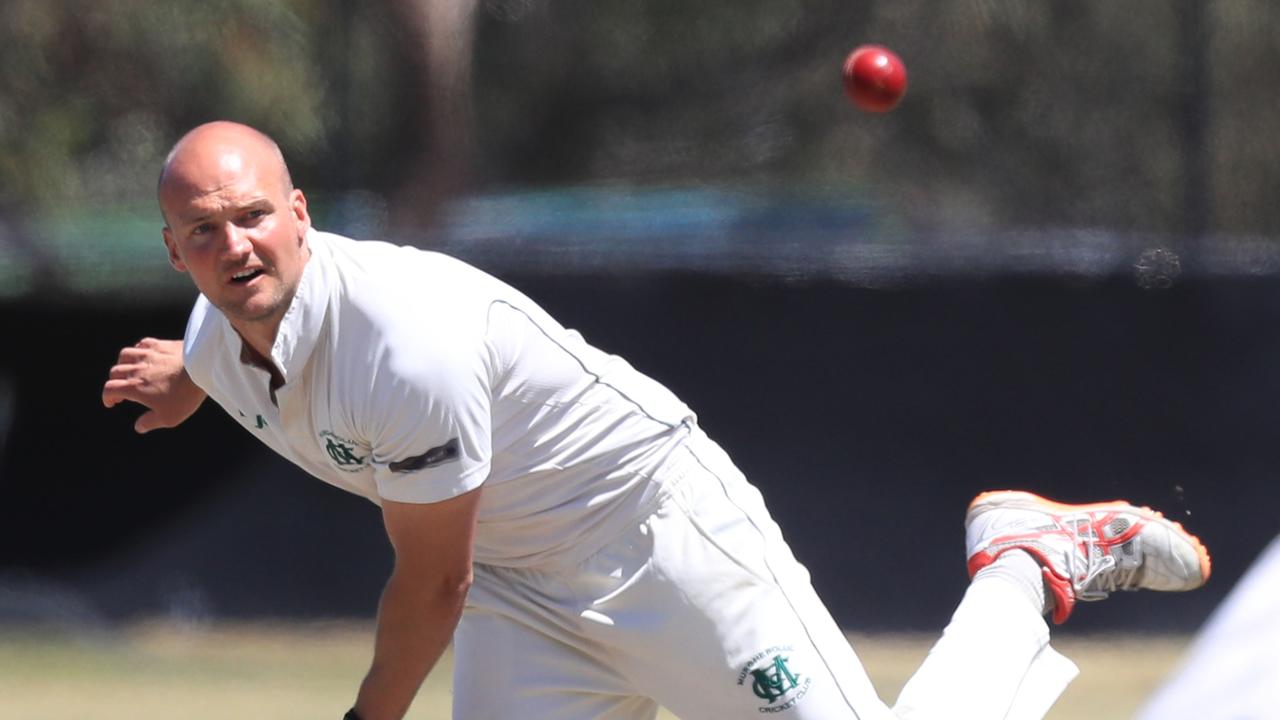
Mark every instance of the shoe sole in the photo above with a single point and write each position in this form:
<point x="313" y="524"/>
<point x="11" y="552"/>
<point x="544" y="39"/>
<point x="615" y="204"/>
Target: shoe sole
<point x="1021" y="499"/>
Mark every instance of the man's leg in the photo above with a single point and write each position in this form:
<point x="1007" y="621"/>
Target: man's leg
<point x="719" y="592"/>
<point x="704" y="608"/>
<point x="516" y="655"/>
<point x="994" y="652"/>
<point x="993" y="660"/>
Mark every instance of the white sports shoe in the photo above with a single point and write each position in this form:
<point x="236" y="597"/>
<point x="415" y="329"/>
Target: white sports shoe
<point x="1085" y="551"/>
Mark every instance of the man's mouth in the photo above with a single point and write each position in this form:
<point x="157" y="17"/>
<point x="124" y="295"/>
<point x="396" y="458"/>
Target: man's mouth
<point x="245" y="276"/>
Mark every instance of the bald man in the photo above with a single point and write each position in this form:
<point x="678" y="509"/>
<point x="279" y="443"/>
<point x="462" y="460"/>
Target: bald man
<point x="561" y="517"/>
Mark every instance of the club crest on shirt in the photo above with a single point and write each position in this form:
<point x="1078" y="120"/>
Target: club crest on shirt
<point x="346" y="454"/>
<point x="772" y="678"/>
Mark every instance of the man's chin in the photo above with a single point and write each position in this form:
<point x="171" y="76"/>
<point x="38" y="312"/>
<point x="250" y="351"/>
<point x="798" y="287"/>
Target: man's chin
<point x="249" y="312"/>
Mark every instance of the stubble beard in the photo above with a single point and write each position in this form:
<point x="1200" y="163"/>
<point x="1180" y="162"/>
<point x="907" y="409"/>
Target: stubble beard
<point x="251" y="312"/>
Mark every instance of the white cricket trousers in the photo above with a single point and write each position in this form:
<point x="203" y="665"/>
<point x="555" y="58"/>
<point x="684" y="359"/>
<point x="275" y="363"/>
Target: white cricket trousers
<point x="700" y="607"/>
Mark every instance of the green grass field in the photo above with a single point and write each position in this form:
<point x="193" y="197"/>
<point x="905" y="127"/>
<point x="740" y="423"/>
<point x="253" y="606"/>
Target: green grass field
<point x="309" y="671"/>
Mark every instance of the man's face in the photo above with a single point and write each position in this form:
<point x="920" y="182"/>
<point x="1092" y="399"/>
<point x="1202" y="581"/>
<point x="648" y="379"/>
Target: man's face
<point x="239" y="231"/>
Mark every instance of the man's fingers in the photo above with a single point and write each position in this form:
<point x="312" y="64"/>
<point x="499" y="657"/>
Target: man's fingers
<point x="123" y="371"/>
<point x="164" y="346"/>
<point x="133" y="355"/>
<point x="117" y="390"/>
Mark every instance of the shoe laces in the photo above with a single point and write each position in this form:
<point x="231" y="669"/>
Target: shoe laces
<point x="1094" y="573"/>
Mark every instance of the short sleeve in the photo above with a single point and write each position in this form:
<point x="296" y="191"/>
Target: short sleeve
<point x="433" y="436"/>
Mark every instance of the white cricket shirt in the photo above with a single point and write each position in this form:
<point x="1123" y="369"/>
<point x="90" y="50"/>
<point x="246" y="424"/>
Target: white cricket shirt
<point x="412" y="376"/>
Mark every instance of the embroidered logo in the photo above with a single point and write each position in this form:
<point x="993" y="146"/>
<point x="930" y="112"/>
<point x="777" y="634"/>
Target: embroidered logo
<point x="435" y="456"/>
<point x="343" y="452"/>
<point x="773" y="679"/>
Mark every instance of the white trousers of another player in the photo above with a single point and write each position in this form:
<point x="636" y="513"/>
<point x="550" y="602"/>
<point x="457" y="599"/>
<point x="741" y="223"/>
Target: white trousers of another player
<point x="1232" y="669"/>
<point x="700" y="607"/>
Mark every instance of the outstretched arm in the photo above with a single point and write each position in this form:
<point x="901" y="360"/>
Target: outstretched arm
<point x="151" y="374"/>
<point x="422" y="602"/>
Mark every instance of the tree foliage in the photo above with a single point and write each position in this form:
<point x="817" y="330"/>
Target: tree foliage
<point x="1139" y="116"/>
<point x="92" y="94"/>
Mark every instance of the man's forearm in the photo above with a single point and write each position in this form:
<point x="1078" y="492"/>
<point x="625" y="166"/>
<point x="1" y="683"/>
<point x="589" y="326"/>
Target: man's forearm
<point x="416" y="620"/>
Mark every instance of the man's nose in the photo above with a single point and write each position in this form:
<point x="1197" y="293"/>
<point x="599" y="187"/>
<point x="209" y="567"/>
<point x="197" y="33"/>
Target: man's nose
<point x="235" y="241"/>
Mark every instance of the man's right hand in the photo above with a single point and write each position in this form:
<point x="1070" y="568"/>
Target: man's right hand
<point x="151" y="374"/>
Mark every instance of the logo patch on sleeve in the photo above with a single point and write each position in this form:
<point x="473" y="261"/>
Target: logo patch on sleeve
<point x="447" y="452"/>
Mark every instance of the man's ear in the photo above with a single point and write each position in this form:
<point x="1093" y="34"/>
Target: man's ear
<point x="301" y="216"/>
<point x="172" y="247"/>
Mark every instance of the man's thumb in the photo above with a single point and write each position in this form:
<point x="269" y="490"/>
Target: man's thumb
<point x="147" y="422"/>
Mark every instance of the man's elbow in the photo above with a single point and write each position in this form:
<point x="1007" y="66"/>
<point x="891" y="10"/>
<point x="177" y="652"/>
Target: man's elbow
<point x="446" y="587"/>
<point x="459" y="585"/>
<point x="451" y="594"/>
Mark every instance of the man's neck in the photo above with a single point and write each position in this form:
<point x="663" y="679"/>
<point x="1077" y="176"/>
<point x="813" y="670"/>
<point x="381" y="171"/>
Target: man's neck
<point x="257" y="341"/>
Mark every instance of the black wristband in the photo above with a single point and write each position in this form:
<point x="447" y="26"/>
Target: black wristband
<point x="351" y="715"/>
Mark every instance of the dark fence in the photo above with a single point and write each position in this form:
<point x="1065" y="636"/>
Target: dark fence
<point x="868" y="417"/>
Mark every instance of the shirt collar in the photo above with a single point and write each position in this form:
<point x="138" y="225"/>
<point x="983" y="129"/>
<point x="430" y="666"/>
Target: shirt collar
<point x="303" y="322"/>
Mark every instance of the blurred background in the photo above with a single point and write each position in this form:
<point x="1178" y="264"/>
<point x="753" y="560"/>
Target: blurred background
<point x="1053" y="266"/>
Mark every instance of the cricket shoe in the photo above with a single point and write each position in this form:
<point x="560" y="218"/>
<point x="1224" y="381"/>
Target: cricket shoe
<point x="1085" y="551"/>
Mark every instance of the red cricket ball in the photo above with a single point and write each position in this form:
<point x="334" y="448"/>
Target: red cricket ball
<point x="874" y="78"/>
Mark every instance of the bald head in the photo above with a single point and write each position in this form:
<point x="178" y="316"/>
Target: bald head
<point x="236" y="225"/>
<point x="213" y="153"/>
